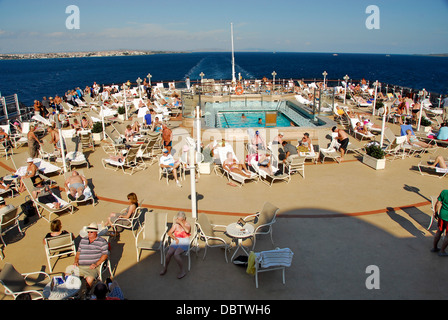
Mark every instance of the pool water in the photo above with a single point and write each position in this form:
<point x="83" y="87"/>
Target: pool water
<point x="234" y="119"/>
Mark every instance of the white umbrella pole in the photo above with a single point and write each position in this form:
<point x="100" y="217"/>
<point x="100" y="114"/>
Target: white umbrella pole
<point x="374" y="101"/>
<point x="198" y="129"/>
<point x="192" y="166"/>
<point x="420" y="115"/>
<point x="382" y="128"/>
<point x="61" y="139"/>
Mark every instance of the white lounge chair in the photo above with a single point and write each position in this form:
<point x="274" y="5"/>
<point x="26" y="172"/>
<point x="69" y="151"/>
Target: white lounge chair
<point x="211" y="235"/>
<point x="265" y="176"/>
<point x="16" y="283"/>
<point x="130" y="161"/>
<point x="87" y="192"/>
<point x="241" y="179"/>
<point x="49" y="207"/>
<point x="56" y="247"/>
<point x="8" y="221"/>
<point x="278" y="259"/>
<point x="153" y="234"/>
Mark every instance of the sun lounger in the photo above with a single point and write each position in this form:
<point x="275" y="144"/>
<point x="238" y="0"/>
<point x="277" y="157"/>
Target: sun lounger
<point x="130" y="161"/>
<point x="241" y="179"/>
<point x="265" y="176"/>
<point x="49" y="207"/>
<point x="426" y="169"/>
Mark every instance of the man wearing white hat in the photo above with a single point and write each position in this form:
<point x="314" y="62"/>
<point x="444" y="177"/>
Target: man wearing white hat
<point x="92" y="252"/>
<point x="168" y="163"/>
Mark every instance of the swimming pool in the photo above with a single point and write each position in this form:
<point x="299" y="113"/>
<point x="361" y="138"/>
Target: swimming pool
<point x="228" y="114"/>
<point x="235" y="120"/>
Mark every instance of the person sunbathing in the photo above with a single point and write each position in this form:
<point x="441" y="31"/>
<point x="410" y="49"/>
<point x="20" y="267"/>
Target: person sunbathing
<point x="231" y="165"/>
<point x="439" y="163"/>
<point x="43" y="194"/>
<point x="76" y="185"/>
<point x="264" y="163"/>
<point x="361" y="128"/>
<point x="412" y="140"/>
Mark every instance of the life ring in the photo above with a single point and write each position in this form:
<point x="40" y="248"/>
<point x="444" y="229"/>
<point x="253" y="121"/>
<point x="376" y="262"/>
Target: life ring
<point x="239" y="89"/>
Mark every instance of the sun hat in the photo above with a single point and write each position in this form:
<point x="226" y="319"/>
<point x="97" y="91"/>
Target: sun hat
<point x="165" y="150"/>
<point x="38" y="180"/>
<point x="29" y="160"/>
<point x="93" y="227"/>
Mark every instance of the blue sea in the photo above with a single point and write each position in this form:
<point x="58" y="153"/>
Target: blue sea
<point x="33" y="79"/>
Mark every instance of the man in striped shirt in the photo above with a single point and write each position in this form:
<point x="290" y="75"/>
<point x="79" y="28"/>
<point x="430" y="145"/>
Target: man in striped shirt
<point x="92" y="251"/>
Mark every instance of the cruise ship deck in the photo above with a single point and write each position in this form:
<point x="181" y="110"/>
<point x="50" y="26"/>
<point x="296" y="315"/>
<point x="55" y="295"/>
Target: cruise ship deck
<point x="338" y="221"/>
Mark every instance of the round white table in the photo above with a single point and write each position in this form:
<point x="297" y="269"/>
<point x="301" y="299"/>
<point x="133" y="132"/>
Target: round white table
<point x="238" y="234"/>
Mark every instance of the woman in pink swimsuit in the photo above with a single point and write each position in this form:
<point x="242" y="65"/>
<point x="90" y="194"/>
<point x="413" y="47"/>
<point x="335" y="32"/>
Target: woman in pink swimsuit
<point x="180" y="241"/>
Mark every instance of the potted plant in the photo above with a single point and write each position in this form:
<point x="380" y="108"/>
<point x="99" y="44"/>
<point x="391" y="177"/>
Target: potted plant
<point x="97" y="129"/>
<point x="425" y="123"/>
<point x="121" y="113"/>
<point x="375" y="157"/>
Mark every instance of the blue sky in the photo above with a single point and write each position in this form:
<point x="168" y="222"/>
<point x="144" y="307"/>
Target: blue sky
<point x="406" y="26"/>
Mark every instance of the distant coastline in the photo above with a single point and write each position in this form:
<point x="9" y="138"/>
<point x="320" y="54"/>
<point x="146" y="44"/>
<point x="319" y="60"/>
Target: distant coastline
<point x="433" y="55"/>
<point x="85" y="54"/>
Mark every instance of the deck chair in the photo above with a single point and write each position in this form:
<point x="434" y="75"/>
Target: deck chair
<point x="210" y="235"/>
<point x="130" y="161"/>
<point x="87" y="192"/>
<point x="8" y="221"/>
<point x="263" y="221"/>
<point x="427" y="170"/>
<point x="131" y="223"/>
<point x="297" y="164"/>
<point x="47" y="151"/>
<point x="21" y="138"/>
<point x="353" y="122"/>
<point x="153" y="234"/>
<point x="16" y="283"/>
<point x="47" y="207"/>
<point x="396" y="148"/>
<point x="413" y="149"/>
<point x="265" y="177"/>
<point x="148" y="149"/>
<point x="168" y="171"/>
<point x="330" y="152"/>
<point x="75" y="156"/>
<point x="56" y="247"/>
<point x="241" y="179"/>
<point x="114" y="139"/>
<point x="278" y="259"/>
<point x="6" y="147"/>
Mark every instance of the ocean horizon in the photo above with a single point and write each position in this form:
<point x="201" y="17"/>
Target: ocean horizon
<point x="34" y="78"/>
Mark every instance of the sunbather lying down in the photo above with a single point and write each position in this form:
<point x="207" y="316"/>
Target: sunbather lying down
<point x="44" y="195"/>
<point x="232" y="165"/>
<point x="411" y="139"/>
<point x="439" y="163"/>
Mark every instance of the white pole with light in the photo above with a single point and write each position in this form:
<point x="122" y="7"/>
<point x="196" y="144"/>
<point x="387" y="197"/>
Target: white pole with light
<point x="346" y="78"/>
<point x="192" y="151"/>
<point x="421" y="108"/>
<point x="325" y="74"/>
<point x="233" y="56"/>
<point x="198" y="128"/>
<point x="376" y="84"/>
<point x="61" y="139"/>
